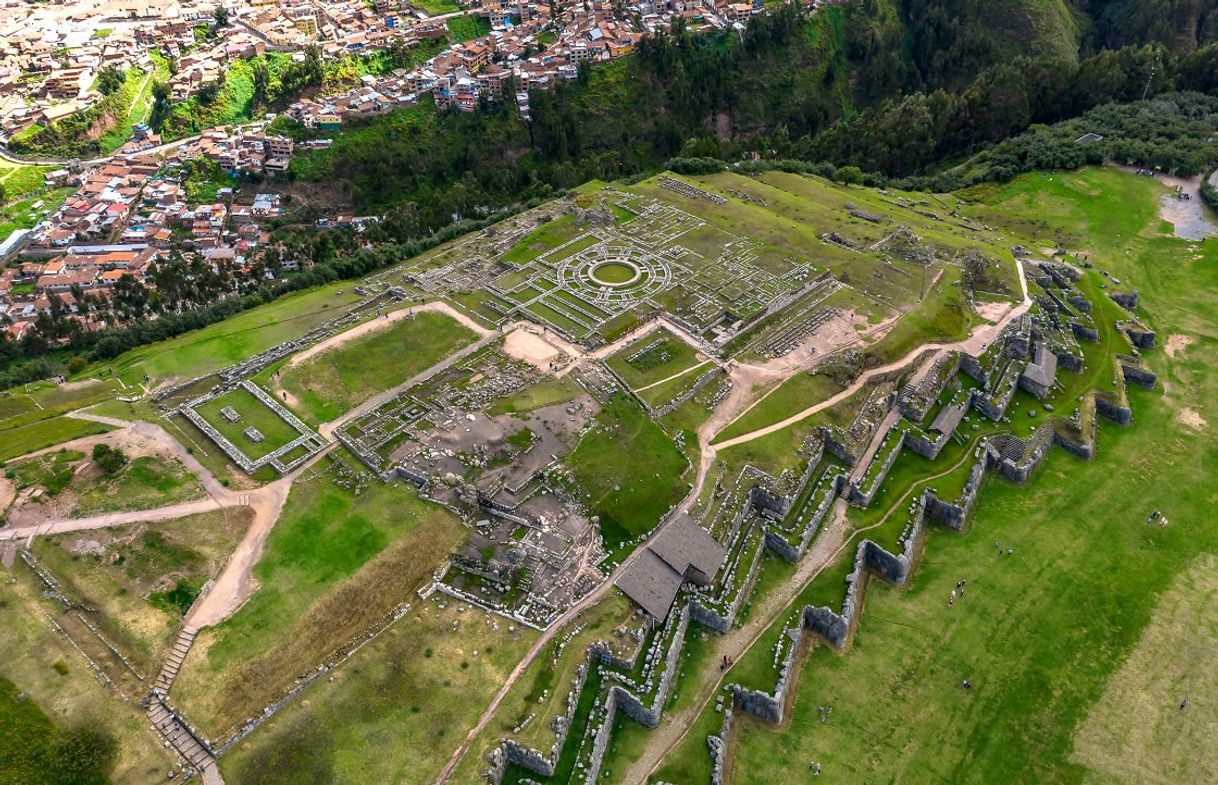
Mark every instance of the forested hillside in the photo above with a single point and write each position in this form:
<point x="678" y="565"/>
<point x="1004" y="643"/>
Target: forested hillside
<point x="898" y="87"/>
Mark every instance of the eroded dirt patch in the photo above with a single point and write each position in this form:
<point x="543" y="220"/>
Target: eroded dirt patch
<point x="1177" y="343"/>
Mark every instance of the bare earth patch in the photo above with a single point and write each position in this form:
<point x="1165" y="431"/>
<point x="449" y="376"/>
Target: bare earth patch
<point x="1192" y="419"/>
<point x="993" y="311"/>
<point x="524" y="344"/>
<point x="1136" y="733"/>
<point x="1177" y="343"/>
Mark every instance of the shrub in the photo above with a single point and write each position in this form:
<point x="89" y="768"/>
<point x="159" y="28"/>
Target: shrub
<point x="108" y="459"/>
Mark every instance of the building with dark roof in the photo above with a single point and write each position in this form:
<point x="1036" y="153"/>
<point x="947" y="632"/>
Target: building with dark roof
<point x="683" y="551"/>
<point x="1040" y="374"/>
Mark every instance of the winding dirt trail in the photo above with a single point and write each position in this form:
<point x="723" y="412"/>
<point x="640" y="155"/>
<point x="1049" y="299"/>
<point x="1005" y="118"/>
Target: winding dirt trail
<point x="975" y="344"/>
<point x="751" y="382"/>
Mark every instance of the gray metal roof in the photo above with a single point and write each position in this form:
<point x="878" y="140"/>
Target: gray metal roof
<point x="1043" y="370"/>
<point x="653" y="579"/>
<point x="651" y="583"/>
<point x="949" y="417"/>
<point x="683" y="543"/>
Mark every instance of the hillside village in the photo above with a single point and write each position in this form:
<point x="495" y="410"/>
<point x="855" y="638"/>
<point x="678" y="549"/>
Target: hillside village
<point x="51" y="56"/>
<point x="121" y="213"/>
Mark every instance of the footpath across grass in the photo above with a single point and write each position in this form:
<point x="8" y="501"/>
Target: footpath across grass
<point x="334" y="382"/>
<point x="335" y="563"/>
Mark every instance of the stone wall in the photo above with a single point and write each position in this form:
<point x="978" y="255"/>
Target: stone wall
<point x="1143" y="377"/>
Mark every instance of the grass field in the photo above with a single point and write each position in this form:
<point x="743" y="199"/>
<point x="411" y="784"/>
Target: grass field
<point x="629" y="470"/>
<point x="334" y="563"/>
<point x="129" y="573"/>
<point x="668" y="356"/>
<point x="254" y="414"/>
<point x="15" y="442"/>
<point x="36" y="751"/>
<point x="546" y="392"/>
<point x="466" y="28"/>
<point x="144" y="483"/>
<point x="1080" y="645"/>
<point x="57" y="680"/>
<point x="395" y="711"/>
<point x="792" y="396"/>
<point x="244" y="335"/>
<point x="333" y="382"/>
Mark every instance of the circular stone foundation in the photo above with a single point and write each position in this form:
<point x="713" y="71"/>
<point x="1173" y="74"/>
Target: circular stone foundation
<point x="616" y="272"/>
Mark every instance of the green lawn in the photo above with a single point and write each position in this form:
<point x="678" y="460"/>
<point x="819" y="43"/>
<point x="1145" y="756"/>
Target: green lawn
<point x="437" y="7"/>
<point x="15" y="442"/>
<point x="549" y="235"/>
<point x="236" y="339"/>
<point x="630" y="472"/>
<point x="467" y="28"/>
<point x="668" y="356"/>
<point x="254" y="413"/>
<point x="334" y="563"/>
<point x="335" y="381"/>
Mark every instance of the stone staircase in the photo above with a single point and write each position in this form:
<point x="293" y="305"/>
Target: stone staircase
<point x="179" y="736"/>
<point x="173" y="663"/>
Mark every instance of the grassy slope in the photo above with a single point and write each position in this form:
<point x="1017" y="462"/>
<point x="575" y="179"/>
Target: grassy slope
<point x="394" y="712"/>
<point x="1041" y="632"/>
<point x="333" y="564"/>
<point x="235" y="339"/>
<point x="29" y="650"/>
<point x="630" y="470"/>
<point x="337" y="380"/>
<point x="139" y="560"/>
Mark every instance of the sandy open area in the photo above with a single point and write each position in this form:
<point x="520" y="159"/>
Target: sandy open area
<point x="524" y="344"/>
<point x="992" y="312"/>
<point x="1177" y="343"/>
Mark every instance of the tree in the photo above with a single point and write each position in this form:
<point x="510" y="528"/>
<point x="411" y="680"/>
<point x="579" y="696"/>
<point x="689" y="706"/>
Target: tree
<point x="261" y="76"/>
<point x="160" y="104"/>
<point x="108" y="459"/>
<point x="849" y="175"/>
<point x="220" y="16"/>
<point x="110" y="80"/>
<point x="77" y="364"/>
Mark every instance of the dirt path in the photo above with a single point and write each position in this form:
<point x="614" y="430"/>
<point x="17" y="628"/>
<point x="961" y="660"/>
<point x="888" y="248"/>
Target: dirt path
<point x="974" y="344"/>
<point x="364" y="329"/>
<point x="676" y="375"/>
<point x="236" y="583"/>
<point x="61" y="525"/>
